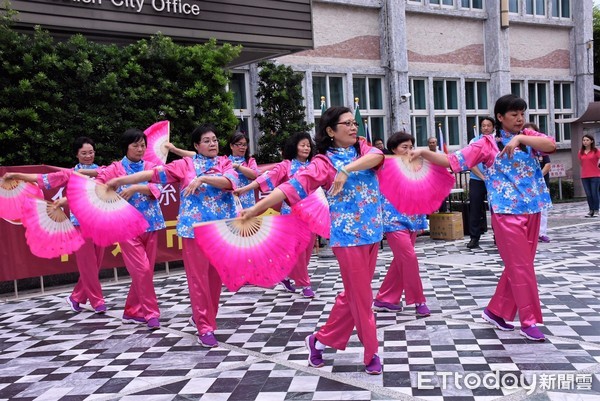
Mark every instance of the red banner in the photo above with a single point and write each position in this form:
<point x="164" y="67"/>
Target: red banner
<point x="18" y="262"/>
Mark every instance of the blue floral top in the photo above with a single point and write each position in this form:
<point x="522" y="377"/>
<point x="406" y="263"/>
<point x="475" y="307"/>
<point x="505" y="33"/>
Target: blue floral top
<point x="246" y="199"/>
<point x="282" y="172"/>
<point x="207" y="203"/>
<point x="356" y="210"/>
<point x="514" y="186"/>
<point x="145" y="204"/>
<point x="393" y="220"/>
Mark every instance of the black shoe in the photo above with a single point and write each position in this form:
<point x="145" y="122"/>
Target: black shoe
<point x="590" y="214"/>
<point x="474" y="243"/>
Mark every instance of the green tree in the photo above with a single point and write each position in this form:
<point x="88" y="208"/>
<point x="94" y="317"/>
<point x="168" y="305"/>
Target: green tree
<point x="282" y="109"/>
<point x="596" y="35"/>
<point x="52" y="92"/>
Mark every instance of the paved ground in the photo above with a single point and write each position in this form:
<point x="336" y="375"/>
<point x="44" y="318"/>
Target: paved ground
<point x="50" y="353"/>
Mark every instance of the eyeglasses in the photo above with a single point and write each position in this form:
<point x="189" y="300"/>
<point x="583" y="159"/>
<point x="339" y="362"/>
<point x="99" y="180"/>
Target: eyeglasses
<point x="209" y="141"/>
<point x="240" y="145"/>
<point x="348" y="123"/>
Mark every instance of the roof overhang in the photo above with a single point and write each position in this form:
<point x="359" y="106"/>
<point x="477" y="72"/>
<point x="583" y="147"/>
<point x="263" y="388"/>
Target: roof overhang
<point x="264" y="28"/>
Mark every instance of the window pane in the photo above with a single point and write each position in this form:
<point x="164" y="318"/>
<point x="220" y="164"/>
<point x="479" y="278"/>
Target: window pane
<point x="238" y="87"/>
<point x="464" y="3"/>
<point x="336" y="91"/>
<point x="470" y="95"/>
<point x="532" y="97"/>
<point x="482" y="102"/>
<point x="471" y="127"/>
<point x="376" y="128"/>
<point x="542" y="96"/>
<point x="243" y="125"/>
<point x="478" y="4"/>
<point x="567" y="130"/>
<point x="529" y="7"/>
<point x="375" y="95"/>
<point x="319" y="89"/>
<point x="540" y="7"/>
<point x="555" y="8"/>
<point x="543" y="124"/>
<point x="513" y="6"/>
<point x="566" y="96"/>
<point x="448" y="2"/>
<point x="419" y="95"/>
<point x="420" y="129"/>
<point x="439" y="101"/>
<point x="434" y="1"/>
<point x="566" y="9"/>
<point x="515" y="88"/>
<point x="453" y="132"/>
<point x="360" y="91"/>
<point x="557" y="96"/>
<point x="452" y="93"/>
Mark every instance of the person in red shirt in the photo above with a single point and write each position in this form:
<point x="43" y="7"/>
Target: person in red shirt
<point x="589" y="156"/>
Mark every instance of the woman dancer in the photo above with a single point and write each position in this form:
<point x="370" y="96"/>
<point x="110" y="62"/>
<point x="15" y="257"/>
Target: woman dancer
<point x="89" y="256"/>
<point x="517" y="194"/>
<point x="401" y="233"/>
<point x="239" y="154"/>
<point x="589" y="157"/>
<point x="298" y="152"/>
<point x="205" y="181"/>
<point x="345" y="167"/>
<point x="139" y="253"/>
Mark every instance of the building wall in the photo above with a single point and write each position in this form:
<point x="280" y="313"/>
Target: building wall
<point x="404" y="41"/>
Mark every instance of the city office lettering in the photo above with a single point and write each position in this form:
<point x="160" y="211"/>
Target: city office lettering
<point x="169" y="6"/>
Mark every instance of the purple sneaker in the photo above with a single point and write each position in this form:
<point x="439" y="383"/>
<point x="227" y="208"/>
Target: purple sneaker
<point x="380" y="306"/>
<point x="73" y="304"/>
<point x="287" y="285"/>
<point x="208" y="340"/>
<point x="153" y="323"/>
<point x="532" y="333"/>
<point x="100" y="309"/>
<point x="315" y="356"/>
<point x="496" y="321"/>
<point x="423" y="310"/>
<point x="307" y="292"/>
<point x="133" y="319"/>
<point x="374" y="367"/>
<point x="544" y="238"/>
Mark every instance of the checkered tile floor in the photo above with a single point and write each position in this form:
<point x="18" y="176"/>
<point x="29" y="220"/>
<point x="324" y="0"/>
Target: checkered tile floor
<point x="50" y="353"/>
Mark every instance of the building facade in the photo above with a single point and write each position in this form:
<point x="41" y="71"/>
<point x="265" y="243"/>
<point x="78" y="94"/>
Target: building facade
<point x="431" y="66"/>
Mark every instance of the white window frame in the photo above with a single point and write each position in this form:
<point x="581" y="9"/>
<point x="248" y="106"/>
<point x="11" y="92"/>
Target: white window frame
<point x="246" y="114"/>
<point x="420" y="113"/>
<point x="535" y="111"/>
<point x="317" y="105"/>
<point x="559" y="7"/>
<point x="470" y="7"/>
<point x="366" y="112"/>
<point x="534" y="12"/>
<point x="446" y="113"/>
<point x="562" y="113"/>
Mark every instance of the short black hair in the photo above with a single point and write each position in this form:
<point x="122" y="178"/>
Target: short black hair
<point x="132" y="135"/>
<point x="397" y="138"/>
<point x="79" y="142"/>
<point x="201" y="130"/>
<point x="290" y="150"/>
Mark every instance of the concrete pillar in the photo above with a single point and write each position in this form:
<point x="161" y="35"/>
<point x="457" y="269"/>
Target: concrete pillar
<point x="497" y="53"/>
<point x="395" y="60"/>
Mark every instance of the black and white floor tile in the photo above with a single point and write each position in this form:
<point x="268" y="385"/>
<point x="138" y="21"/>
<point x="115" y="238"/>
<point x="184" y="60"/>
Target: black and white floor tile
<point x="50" y="353"/>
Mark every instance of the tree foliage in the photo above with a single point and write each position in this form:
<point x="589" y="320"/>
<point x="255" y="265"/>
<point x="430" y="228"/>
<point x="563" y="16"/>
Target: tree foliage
<point x="282" y="109"/>
<point x="52" y="92"/>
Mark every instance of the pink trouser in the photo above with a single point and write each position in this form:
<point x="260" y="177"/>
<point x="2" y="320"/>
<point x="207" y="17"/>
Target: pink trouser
<point x="204" y="284"/>
<point x="300" y="271"/>
<point x="353" y="305"/>
<point x="89" y="260"/>
<point x="517" y="239"/>
<point x="403" y="273"/>
<point x="139" y="255"/>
